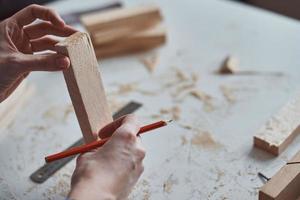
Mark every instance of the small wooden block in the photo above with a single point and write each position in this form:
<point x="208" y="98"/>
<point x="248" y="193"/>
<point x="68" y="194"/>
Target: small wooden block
<point x="229" y="66"/>
<point x="111" y="25"/>
<point x="285" y="185"/>
<point x="281" y="129"/>
<point x="84" y="84"/>
<point x="140" y="41"/>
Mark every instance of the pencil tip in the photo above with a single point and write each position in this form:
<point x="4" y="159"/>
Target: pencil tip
<point x="169" y="121"/>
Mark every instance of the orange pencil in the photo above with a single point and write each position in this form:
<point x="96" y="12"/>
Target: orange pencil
<point x="99" y="143"/>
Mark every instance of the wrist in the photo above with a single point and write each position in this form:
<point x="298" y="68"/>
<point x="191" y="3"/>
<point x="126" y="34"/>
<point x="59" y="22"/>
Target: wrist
<point x="89" y="191"/>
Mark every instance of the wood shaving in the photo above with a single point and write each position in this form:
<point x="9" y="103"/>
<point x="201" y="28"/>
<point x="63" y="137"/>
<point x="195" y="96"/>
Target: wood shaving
<point x="169" y="183"/>
<point x="203" y="139"/>
<point x="150" y="63"/>
<point x="228" y="94"/>
<point x="126" y="88"/>
<point x="186" y="126"/>
<point x="229" y="66"/>
<point x="205" y="98"/>
<point x="181" y="75"/>
<point x="175" y="112"/>
<point x="183" y="88"/>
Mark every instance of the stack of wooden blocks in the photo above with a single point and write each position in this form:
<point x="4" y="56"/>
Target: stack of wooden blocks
<point x="125" y="30"/>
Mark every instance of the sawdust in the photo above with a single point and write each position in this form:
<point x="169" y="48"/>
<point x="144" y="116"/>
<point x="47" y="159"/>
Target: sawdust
<point x="186" y="126"/>
<point x="184" y="140"/>
<point x="205" y="98"/>
<point x="146" y="192"/>
<point x="228" y="94"/>
<point x="38" y="128"/>
<point x="203" y="139"/>
<point x="181" y="76"/>
<point x="220" y="174"/>
<point x="126" y="88"/>
<point x="62" y="188"/>
<point x="68" y="110"/>
<point x="169" y="183"/>
<point x="174" y="111"/>
<point x="150" y="62"/>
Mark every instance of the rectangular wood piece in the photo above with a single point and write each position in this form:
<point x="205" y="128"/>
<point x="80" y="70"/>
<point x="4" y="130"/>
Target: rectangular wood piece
<point x="285" y="184"/>
<point x="117" y="23"/>
<point x="141" y="41"/>
<point x="85" y="85"/>
<point x="279" y="131"/>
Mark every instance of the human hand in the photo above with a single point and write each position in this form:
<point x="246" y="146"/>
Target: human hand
<point x="111" y="171"/>
<point x="20" y="38"/>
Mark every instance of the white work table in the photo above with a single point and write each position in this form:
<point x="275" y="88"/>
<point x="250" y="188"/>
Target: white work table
<point x="178" y="165"/>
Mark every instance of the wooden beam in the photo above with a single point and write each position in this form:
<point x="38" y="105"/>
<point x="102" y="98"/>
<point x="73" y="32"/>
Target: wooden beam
<point x="285" y="185"/>
<point x="279" y="131"/>
<point x="111" y="25"/>
<point x="141" y="41"/>
<point x="84" y="84"/>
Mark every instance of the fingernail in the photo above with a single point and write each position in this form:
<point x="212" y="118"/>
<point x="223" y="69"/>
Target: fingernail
<point x="62" y="62"/>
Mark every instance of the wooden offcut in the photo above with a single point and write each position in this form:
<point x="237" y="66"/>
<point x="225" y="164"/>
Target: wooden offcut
<point x="285" y="184"/>
<point x="229" y="66"/>
<point x="279" y="131"/>
<point x="117" y="23"/>
<point x="84" y="85"/>
<point x="141" y="41"/>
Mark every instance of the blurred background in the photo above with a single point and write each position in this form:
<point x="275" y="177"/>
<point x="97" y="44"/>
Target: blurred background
<point x="288" y="8"/>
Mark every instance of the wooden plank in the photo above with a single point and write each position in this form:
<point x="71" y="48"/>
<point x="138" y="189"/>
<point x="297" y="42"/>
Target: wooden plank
<point x="85" y="85"/>
<point x="141" y="41"/>
<point x="108" y="26"/>
<point x="285" y="185"/>
<point x="279" y="131"/>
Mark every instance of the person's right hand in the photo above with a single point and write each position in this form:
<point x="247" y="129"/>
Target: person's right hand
<point x="111" y="171"/>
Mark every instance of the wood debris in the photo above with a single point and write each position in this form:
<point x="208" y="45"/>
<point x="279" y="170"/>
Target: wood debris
<point x="229" y="66"/>
<point x="181" y="75"/>
<point x="175" y="112"/>
<point x="150" y="62"/>
<point x="126" y="88"/>
<point x="169" y="183"/>
<point x="203" y="139"/>
<point x="205" y="98"/>
<point x="228" y="94"/>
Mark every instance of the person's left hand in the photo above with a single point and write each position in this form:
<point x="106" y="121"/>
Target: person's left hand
<point x="20" y="38"/>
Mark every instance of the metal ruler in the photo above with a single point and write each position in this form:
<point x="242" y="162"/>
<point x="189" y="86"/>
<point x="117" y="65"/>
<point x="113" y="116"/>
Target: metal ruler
<point x="46" y="171"/>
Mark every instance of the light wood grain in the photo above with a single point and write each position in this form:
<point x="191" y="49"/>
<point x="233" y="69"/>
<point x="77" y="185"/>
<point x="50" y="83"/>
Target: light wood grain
<point x="279" y="131"/>
<point x="85" y="85"/>
<point x="141" y="41"/>
<point x="111" y="25"/>
<point x="284" y="185"/>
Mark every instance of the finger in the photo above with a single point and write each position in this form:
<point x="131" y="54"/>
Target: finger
<point x="42" y="62"/>
<point x="46" y="28"/>
<point x="109" y="129"/>
<point x="127" y="132"/>
<point x="33" y="12"/>
<point x="140" y="151"/>
<point x="42" y="44"/>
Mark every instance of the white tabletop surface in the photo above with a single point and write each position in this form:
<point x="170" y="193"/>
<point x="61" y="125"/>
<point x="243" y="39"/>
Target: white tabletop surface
<point x="178" y="165"/>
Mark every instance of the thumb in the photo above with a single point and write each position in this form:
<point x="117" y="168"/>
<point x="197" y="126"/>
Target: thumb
<point x="43" y="62"/>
